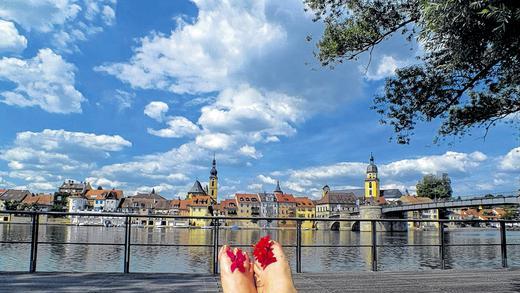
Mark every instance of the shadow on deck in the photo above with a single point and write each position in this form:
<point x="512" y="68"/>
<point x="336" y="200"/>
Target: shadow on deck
<point x="387" y="282"/>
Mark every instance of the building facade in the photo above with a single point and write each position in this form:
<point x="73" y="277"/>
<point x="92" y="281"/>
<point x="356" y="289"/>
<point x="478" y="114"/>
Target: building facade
<point x="248" y="205"/>
<point x="268" y="209"/>
<point x="305" y="208"/>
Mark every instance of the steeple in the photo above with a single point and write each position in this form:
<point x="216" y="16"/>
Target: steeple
<point x="372" y="188"/>
<point x="371" y="168"/>
<point x="213" y="172"/>
<point x="278" y="189"/>
<point x="213" y="180"/>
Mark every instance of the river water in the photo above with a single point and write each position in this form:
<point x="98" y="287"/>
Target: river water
<point x="107" y="258"/>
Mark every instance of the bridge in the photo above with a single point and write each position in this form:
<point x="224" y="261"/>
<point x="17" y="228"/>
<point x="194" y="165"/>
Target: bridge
<point x="462" y="203"/>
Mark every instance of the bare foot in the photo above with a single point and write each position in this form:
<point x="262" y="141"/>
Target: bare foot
<point x="276" y="277"/>
<point x="236" y="281"/>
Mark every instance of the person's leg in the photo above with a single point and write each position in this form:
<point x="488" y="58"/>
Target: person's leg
<point x="236" y="281"/>
<point x="276" y="277"/>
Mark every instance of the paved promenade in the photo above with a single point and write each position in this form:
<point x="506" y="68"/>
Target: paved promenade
<point x="387" y="282"/>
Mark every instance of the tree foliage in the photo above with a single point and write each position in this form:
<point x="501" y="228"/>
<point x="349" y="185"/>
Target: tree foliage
<point x="435" y="187"/>
<point x="468" y="75"/>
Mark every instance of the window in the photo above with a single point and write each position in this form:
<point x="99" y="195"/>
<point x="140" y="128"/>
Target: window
<point x="212" y="183"/>
<point x="370" y="184"/>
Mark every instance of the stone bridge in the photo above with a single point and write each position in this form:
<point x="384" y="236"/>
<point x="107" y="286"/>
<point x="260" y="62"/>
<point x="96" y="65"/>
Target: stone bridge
<point x="463" y="203"/>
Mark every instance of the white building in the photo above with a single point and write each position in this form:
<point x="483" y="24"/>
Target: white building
<point x="268" y="208"/>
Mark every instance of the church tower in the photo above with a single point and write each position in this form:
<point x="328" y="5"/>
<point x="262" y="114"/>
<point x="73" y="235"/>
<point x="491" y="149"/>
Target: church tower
<point x="372" y="190"/>
<point x="213" y="181"/>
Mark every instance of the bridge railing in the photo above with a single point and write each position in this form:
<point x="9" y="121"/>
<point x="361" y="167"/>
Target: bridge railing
<point x="216" y="223"/>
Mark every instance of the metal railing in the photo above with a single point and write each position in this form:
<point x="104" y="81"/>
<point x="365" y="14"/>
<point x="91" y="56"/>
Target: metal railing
<point x="373" y="246"/>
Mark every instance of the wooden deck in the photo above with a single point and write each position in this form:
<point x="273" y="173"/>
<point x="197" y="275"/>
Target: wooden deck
<point x="387" y="282"/>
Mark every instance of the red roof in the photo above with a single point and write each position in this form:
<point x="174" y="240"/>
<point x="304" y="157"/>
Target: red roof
<point x="287" y="198"/>
<point x="181" y="204"/>
<point x="101" y="194"/>
<point x="246" y="198"/>
<point x="304" y="202"/>
<point x="200" y="201"/>
<point x="228" y="204"/>
<point x="40" y="199"/>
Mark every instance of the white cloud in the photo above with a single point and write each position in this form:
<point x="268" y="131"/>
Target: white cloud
<point x="400" y="174"/>
<point x="108" y="15"/>
<point x="65" y="21"/>
<point x="46" y="81"/>
<point x="266" y="179"/>
<point x="201" y="57"/>
<point x="123" y="99"/>
<point x="246" y="109"/>
<point x="42" y="186"/>
<point x="11" y="40"/>
<point x="255" y="186"/>
<point x="511" y="161"/>
<point x="386" y="67"/>
<point x="43" y="157"/>
<point x="214" y="141"/>
<point x="52" y="140"/>
<point x="448" y="162"/>
<point x="104" y="182"/>
<point x="178" y="126"/>
<point x="250" y="151"/>
<point x="156" y="110"/>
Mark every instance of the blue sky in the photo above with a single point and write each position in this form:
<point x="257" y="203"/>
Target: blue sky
<point x="140" y="94"/>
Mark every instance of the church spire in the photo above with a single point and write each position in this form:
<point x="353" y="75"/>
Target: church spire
<point x="278" y="189"/>
<point x="213" y="180"/>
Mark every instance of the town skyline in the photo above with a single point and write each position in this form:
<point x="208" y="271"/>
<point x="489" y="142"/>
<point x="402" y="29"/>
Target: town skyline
<point x="136" y="96"/>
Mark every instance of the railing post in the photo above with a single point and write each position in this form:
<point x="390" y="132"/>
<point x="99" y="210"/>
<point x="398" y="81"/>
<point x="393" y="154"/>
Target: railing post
<point x="298" y="246"/>
<point x="215" y="245"/>
<point x="128" y="229"/>
<point x="34" y="242"/>
<point x="503" y="244"/>
<point x="374" y="245"/>
<point x="442" y="245"/>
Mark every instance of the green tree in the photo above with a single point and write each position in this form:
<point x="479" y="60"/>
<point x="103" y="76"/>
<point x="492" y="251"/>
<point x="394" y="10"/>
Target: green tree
<point x="468" y="76"/>
<point x="435" y="187"/>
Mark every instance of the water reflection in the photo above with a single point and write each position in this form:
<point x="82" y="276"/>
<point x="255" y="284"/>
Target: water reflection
<point x="109" y="258"/>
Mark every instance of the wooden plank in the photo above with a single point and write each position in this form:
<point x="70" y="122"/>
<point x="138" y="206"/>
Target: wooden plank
<point x="362" y="282"/>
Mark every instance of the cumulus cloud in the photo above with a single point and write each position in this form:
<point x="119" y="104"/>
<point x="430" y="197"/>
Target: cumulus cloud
<point x="104" y="182"/>
<point x="214" y="141"/>
<point x="200" y="57"/>
<point x="46" y="81"/>
<point x="254" y="186"/>
<point x="65" y="21"/>
<point x="448" y="162"/>
<point x="55" y="140"/>
<point x="402" y="174"/>
<point x="266" y="179"/>
<point x="386" y="67"/>
<point x="178" y="126"/>
<point x="245" y="109"/>
<point x="250" y="151"/>
<point x="44" y="157"/>
<point x="156" y="110"/>
<point x="511" y="161"/>
<point x="11" y="40"/>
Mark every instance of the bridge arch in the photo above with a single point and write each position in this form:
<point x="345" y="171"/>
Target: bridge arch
<point x="334" y="226"/>
<point x="355" y="226"/>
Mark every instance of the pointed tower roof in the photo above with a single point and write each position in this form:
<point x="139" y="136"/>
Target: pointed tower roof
<point x="371" y="168"/>
<point x="278" y="189"/>
<point x="213" y="172"/>
<point x="197" y="188"/>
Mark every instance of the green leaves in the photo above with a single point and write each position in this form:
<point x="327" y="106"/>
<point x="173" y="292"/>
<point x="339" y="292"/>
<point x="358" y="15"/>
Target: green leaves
<point x="435" y="187"/>
<point x="470" y="71"/>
